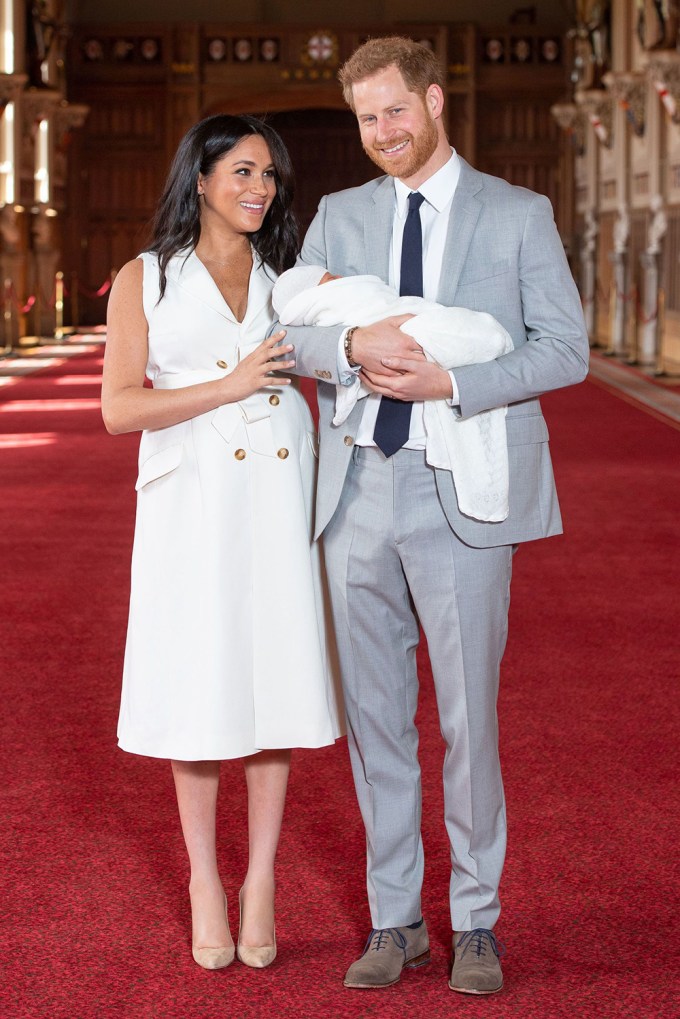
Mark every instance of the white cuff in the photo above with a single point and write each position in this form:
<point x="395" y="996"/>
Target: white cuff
<point x="454" y="399"/>
<point x="346" y="372"/>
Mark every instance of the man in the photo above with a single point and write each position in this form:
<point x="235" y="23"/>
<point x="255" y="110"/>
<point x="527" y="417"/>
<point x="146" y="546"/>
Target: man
<point x="399" y="552"/>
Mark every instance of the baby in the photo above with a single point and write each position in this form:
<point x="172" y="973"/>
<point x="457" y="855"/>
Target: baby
<point x="473" y="449"/>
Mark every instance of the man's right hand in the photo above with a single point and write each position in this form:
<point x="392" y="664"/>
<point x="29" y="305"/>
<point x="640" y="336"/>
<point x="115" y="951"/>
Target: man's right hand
<point x="370" y="344"/>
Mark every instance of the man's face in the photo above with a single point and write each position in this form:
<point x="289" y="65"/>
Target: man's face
<point x="398" y="129"/>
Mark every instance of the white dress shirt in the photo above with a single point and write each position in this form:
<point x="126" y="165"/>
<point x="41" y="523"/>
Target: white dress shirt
<point x="438" y="192"/>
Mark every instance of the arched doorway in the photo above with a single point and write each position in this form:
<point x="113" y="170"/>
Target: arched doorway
<point x="326" y="153"/>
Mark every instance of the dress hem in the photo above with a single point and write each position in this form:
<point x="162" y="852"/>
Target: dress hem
<point x="163" y="754"/>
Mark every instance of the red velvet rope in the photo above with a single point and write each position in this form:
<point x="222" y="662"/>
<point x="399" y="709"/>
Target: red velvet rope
<point x="86" y="292"/>
<point x="632" y="295"/>
<point x="23" y="307"/>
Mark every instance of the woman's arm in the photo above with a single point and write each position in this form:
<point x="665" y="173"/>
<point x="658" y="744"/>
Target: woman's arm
<point x="127" y="406"/>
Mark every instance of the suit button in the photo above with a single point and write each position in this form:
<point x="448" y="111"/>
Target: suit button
<point x="282" y="454"/>
<point x="348" y="440"/>
<point x="240" y="454"/>
<point x="222" y="364"/>
<point x="274" y="400"/>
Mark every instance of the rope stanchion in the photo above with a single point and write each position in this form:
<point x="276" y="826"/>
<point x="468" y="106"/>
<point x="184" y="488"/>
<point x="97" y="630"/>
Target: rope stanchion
<point x="6" y="318"/>
<point x="75" y="309"/>
<point x="37" y="312"/>
<point x="59" y="306"/>
<point x="7" y="314"/>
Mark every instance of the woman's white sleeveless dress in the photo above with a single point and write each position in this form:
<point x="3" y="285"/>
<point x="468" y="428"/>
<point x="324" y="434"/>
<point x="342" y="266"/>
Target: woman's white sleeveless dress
<point x="227" y="649"/>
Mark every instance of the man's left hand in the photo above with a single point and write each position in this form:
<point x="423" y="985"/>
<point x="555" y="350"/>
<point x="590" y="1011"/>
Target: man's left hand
<point x="418" y="379"/>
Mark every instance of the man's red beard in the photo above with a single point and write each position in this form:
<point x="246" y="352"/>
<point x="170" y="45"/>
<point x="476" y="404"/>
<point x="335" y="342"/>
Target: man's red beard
<point x="416" y="154"/>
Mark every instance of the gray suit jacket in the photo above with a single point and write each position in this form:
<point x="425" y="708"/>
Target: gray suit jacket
<point x="503" y="255"/>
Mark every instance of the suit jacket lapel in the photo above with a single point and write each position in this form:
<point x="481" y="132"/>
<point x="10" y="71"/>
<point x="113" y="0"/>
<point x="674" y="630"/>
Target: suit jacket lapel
<point x="465" y="210"/>
<point x="378" y="229"/>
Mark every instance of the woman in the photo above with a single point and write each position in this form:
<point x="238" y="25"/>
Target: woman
<point x="226" y="652"/>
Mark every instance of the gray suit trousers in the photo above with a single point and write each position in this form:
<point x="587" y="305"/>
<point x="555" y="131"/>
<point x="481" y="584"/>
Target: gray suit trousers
<point x="393" y="561"/>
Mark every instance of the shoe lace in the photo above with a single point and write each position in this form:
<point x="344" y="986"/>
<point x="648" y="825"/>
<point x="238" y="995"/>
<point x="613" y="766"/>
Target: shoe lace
<point x="379" y="939"/>
<point x="478" y="940"/>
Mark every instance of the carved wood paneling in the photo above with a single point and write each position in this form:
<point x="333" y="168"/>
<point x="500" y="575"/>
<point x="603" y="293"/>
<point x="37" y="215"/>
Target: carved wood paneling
<point x="518" y="139"/>
<point x="326" y="152"/>
<point x="126" y="118"/>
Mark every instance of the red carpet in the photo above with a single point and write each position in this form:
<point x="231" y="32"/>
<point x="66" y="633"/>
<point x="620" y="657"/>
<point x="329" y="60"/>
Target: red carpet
<point x="95" y="918"/>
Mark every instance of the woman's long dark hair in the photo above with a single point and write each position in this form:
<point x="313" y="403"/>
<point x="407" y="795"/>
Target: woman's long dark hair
<point x="177" y="223"/>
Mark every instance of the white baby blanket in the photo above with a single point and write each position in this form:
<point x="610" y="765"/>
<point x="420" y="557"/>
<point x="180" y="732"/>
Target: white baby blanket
<point x="474" y="449"/>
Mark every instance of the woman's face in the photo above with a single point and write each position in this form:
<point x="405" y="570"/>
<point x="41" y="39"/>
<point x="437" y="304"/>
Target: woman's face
<point x="240" y="189"/>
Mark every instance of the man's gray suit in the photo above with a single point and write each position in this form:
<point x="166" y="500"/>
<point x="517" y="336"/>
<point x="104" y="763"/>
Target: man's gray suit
<point x="503" y="255"/>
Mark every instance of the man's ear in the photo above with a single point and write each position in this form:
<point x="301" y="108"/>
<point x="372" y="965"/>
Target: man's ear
<point x="434" y="100"/>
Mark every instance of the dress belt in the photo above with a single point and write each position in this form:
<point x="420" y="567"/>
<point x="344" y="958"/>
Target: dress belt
<point x="254" y="412"/>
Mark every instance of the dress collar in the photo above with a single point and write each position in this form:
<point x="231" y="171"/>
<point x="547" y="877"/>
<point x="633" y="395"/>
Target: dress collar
<point x="188" y="272"/>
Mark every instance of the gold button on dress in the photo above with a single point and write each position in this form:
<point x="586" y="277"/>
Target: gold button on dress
<point x="282" y="454"/>
<point x="240" y="454"/>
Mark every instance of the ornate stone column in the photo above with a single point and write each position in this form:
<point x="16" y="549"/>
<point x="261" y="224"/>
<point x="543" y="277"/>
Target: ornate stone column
<point x="570" y="118"/>
<point x="619" y="257"/>
<point x="12" y="272"/>
<point x="43" y="251"/>
<point x="45" y="225"/>
<point x="649" y="338"/>
<point x="12" y="260"/>
<point x="596" y="104"/>
<point x="589" y="273"/>
<point x="46" y="257"/>
<point x="663" y="70"/>
<point x="629" y="90"/>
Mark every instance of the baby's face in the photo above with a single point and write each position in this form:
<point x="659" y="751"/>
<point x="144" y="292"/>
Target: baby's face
<point x="327" y="277"/>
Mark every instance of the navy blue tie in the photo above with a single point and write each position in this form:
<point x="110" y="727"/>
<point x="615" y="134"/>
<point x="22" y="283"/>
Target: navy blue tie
<point x="393" y="422"/>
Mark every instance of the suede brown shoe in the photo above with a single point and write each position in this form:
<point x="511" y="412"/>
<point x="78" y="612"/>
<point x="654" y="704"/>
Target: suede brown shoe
<point x="476" y="962"/>
<point x="387" y="952"/>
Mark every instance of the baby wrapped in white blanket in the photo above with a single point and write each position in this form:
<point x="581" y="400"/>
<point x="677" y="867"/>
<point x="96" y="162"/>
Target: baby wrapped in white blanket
<point x="474" y="449"/>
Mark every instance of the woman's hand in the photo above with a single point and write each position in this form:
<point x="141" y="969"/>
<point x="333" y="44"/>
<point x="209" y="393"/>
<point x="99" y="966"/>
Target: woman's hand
<point x="254" y="371"/>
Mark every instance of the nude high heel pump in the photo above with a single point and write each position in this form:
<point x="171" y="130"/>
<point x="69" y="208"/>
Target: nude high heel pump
<point x="258" y="957"/>
<point x="214" y="958"/>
